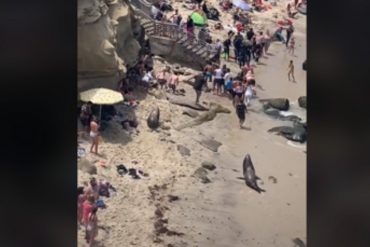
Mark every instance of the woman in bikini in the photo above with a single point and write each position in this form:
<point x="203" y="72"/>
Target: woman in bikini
<point x="94" y="134"/>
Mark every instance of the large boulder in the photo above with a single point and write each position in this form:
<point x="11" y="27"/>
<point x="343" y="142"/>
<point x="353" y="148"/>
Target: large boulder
<point x="281" y="104"/>
<point x="302" y="101"/>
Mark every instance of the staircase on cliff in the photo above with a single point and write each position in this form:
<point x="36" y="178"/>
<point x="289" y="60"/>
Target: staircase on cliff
<point x="198" y="49"/>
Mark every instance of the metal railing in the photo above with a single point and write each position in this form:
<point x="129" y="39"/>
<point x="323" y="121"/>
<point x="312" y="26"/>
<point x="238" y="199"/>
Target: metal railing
<point x="168" y="30"/>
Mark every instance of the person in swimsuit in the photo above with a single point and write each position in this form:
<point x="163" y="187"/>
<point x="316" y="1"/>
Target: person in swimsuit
<point x="93" y="188"/>
<point x="87" y="206"/>
<point x="241" y="109"/>
<point x="92" y="227"/>
<point x="174" y="81"/>
<point x="291" y="70"/>
<point x="81" y="197"/>
<point x="94" y="134"/>
<point x="239" y="91"/>
<point x="291" y="46"/>
<point x="162" y="77"/>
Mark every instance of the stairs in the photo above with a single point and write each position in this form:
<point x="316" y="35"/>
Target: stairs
<point x="198" y="49"/>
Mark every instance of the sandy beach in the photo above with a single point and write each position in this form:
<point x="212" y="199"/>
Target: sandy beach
<point x="224" y="212"/>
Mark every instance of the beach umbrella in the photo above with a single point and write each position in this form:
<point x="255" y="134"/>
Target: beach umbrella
<point x="242" y="5"/>
<point x="101" y="96"/>
<point x="198" y="19"/>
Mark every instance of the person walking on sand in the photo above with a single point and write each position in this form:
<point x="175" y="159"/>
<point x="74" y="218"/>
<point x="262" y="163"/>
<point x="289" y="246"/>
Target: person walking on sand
<point x="291" y="46"/>
<point x="289" y="32"/>
<point x="92" y="226"/>
<point x="200" y="81"/>
<point x="291" y="70"/>
<point x="241" y="109"/>
<point x="94" y="134"/>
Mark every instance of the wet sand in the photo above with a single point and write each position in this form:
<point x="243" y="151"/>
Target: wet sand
<point x="224" y="212"/>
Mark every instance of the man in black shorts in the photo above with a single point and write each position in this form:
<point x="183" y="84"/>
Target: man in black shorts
<point x="199" y="82"/>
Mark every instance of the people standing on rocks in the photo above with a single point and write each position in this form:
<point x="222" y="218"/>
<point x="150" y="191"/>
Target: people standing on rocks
<point x="291" y="70"/>
<point x="92" y="226"/>
<point x="94" y="134"/>
<point x="200" y="81"/>
<point x="227" y="44"/>
<point x="162" y="77"/>
<point x="208" y="69"/>
<point x="237" y="42"/>
<point x="174" y="81"/>
<point x="218" y="81"/>
<point x="241" y="109"/>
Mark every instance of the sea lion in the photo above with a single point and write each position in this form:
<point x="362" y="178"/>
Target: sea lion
<point x="276" y="114"/>
<point x="298" y="133"/>
<point x="153" y="119"/>
<point x="249" y="173"/>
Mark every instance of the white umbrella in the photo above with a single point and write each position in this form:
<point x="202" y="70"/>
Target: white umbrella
<point x="101" y="96"/>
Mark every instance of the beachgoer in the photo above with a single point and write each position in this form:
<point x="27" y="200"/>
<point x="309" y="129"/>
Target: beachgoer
<point x="291" y="70"/>
<point x="218" y="49"/>
<point x="199" y="82"/>
<point x="190" y="27"/>
<point x="218" y="81"/>
<point x="229" y="87"/>
<point x="148" y="77"/>
<point x="93" y="188"/>
<point x="94" y="134"/>
<point x="289" y="32"/>
<point x="238" y="39"/>
<point x="227" y="44"/>
<point x="208" y="72"/>
<point x="86" y="115"/>
<point x="291" y="46"/>
<point x="291" y="13"/>
<point x="242" y="58"/>
<point x="176" y="18"/>
<point x="174" y="81"/>
<point x="239" y="91"/>
<point x="241" y="109"/>
<point x="92" y="227"/>
<point x="249" y="92"/>
<point x="81" y="197"/>
<point x="162" y="77"/>
<point x="267" y="41"/>
<point x="87" y="206"/>
<point x="250" y="34"/>
<point x="227" y="76"/>
<point x="278" y="34"/>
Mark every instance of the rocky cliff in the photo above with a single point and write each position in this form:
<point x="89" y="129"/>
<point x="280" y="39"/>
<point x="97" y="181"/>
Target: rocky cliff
<point x="108" y="41"/>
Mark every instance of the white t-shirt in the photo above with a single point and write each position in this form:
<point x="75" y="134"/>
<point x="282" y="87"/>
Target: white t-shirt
<point x="218" y="73"/>
<point x="227" y="76"/>
<point x="148" y="77"/>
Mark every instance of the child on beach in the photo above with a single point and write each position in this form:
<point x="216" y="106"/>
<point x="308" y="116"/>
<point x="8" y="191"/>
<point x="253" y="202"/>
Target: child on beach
<point x="92" y="226"/>
<point x="241" y="109"/>
<point x="291" y="46"/>
<point x="291" y="70"/>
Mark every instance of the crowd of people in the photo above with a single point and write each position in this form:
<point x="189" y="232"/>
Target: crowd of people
<point x="243" y="46"/>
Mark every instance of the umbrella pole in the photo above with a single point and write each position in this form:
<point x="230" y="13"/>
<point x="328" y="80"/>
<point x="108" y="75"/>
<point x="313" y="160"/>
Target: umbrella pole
<point x="100" y="113"/>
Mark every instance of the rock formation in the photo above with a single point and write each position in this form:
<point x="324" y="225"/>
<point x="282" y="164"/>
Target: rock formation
<point x="108" y="41"/>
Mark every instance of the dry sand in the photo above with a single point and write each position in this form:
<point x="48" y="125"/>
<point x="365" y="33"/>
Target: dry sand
<point x="225" y="212"/>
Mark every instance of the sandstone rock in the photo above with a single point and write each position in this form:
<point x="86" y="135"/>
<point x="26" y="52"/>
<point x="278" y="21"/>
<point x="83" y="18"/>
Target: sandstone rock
<point x="211" y="144"/>
<point x="190" y="113"/>
<point x="201" y="174"/>
<point x="208" y="165"/>
<point x="184" y="151"/>
<point x="302" y="101"/>
<point x="86" y="166"/>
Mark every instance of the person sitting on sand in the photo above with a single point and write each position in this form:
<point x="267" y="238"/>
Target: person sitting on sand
<point x="279" y="35"/>
<point x="240" y="109"/>
<point x="291" y="70"/>
<point x="92" y="226"/>
<point x="94" y="134"/>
